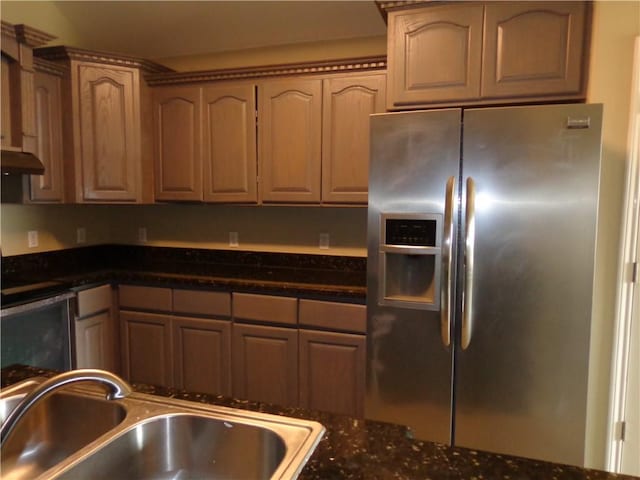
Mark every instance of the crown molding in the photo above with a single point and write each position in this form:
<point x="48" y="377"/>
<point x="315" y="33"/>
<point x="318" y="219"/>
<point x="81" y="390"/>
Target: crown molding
<point x="47" y="66"/>
<point x="307" y="68"/>
<point x="81" y="54"/>
<point x="30" y="36"/>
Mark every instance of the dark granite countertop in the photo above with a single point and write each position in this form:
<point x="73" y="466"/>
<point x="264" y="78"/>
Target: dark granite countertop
<point x="310" y="276"/>
<point x="360" y="449"/>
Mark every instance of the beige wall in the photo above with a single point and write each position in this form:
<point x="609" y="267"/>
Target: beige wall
<point x="615" y="25"/>
<point x="305" y="52"/>
<point x="45" y="16"/>
<point x="264" y="228"/>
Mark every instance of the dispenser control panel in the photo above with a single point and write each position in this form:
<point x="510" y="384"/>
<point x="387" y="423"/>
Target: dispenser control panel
<point x="412" y="232"/>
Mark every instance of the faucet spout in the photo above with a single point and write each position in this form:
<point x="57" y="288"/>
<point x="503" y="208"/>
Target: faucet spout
<point x="116" y="388"/>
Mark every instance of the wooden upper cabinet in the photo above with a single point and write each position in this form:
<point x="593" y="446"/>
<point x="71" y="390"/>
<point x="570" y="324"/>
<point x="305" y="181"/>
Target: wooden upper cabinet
<point x="109" y="132"/>
<point x="472" y="53"/>
<point x="177" y="115"/>
<point x="533" y="48"/>
<point x="48" y="187"/>
<point x="229" y="143"/>
<point x="289" y="129"/>
<point x="434" y="54"/>
<point x="347" y="104"/>
<point x="5" y="100"/>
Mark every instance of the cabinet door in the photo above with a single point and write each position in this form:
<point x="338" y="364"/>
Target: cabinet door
<point x="435" y="55"/>
<point x="109" y="133"/>
<point x="177" y="116"/>
<point x="265" y="364"/>
<point x="533" y="49"/>
<point x="289" y="129"/>
<point x="332" y="372"/>
<point x="93" y="342"/>
<point x="48" y="187"/>
<point x="229" y="141"/>
<point x="202" y="355"/>
<point x="347" y="104"/>
<point x="146" y="348"/>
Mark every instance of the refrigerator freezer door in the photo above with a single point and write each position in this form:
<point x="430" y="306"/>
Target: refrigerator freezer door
<point x="409" y="368"/>
<point x="521" y="383"/>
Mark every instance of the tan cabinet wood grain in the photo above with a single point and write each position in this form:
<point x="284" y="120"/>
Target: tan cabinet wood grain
<point x="92" y="342"/>
<point x="95" y="329"/>
<point x="265" y="364"/>
<point x="48" y="102"/>
<point x="109" y="132"/>
<point x="147" y="355"/>
<point x="6" y="95"/>
<point x="177" y="113"/>
<point x="347" y="104"/>
<point x="533" y="48"/>
<point x="434" y="54"/>
<point x="229" y="140"/>
<point x="289" y="138"/>
<point x="202" y="355"/>
<point x="474" y="53"/>
<point x="332" y="372"/>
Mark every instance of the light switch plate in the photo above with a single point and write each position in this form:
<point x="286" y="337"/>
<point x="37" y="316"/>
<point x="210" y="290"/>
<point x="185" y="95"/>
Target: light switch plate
<point x="142" y="234"/>
<point x="32" y="238"/>
<point x="324" y="241"/>
<point x="81" y="235"/>
<point x="233" y="239"/>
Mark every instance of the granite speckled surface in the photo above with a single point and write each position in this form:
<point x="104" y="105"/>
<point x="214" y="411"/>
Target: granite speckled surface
<point x="361" y="449"/>
<point x="314" y="276"/>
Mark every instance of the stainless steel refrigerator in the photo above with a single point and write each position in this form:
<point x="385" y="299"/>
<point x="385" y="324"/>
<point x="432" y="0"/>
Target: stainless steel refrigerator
<point x="481" y="241"/>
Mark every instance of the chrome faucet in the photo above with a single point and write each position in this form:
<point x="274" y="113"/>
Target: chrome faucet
<point x="116" y="388"/>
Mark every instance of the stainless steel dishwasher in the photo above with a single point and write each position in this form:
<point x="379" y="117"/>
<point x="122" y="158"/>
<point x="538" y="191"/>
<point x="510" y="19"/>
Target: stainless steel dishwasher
<point x="39" y="333"/>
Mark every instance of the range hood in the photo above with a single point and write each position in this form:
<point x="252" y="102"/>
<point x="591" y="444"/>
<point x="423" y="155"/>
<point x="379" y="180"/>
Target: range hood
<point x="18" y="162"/>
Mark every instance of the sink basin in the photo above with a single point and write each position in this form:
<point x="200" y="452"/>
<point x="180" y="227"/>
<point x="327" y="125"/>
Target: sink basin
<point x="78" y="434"/>
<point x="186" y="446"/>
<point x="53" y="430"/>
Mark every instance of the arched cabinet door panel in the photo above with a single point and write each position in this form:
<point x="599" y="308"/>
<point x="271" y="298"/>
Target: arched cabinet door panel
<point x="533" y="48"/>
<point x="289" y="133"/>
<point x="177" y="140"/>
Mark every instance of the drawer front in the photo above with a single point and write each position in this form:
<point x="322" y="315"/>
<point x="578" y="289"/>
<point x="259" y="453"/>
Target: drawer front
<point x="202" y="303"/>
<point x="333" y="316"/>
<point x="94" y="300"/>
<point x="145" y="298"/>
<point x="265" y="308"/>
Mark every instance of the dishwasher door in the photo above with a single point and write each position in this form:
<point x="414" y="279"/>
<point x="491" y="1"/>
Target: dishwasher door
<point x="38" y="333"/>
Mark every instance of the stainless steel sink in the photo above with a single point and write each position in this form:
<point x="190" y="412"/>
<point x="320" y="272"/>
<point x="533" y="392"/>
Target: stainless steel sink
<point x="53" y="430"/>
<point x="73" y="435"/>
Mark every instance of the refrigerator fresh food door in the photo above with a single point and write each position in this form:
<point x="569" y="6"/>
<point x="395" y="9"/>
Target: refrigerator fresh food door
<point x="522" y="365"/>
<point x="415" y="161"/>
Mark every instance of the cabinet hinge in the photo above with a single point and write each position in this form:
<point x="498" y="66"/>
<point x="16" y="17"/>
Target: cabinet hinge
<point x="621" y="428"/>
<point x="634" y="272"/>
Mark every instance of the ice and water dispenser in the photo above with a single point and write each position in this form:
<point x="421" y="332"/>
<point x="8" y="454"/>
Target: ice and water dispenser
<point x="410" y="260"/>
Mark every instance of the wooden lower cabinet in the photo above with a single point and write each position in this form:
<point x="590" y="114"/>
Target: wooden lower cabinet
<point x="332" y="372"/>
<point x="265" y="364"/>
<point x="146" y="343"/>
<point x="202" y="355"/>
<point x="94" y="329"/>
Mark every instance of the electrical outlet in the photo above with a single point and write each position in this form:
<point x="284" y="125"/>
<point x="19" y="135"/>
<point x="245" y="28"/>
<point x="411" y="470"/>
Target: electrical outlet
<point x="233" y="239"/>
<point x="81" y="235"/>
<point x="324" y="241"/>
<point x="142" y="234"/>
<point x="32" y="238"/>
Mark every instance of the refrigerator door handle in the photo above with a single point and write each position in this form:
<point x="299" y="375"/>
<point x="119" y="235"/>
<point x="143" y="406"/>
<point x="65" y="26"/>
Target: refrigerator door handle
<point x="470" y="224"/>
<point x="447" y="241"/>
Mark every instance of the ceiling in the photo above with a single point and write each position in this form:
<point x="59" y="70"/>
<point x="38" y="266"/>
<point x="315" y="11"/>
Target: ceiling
<point x="154" y="29"/>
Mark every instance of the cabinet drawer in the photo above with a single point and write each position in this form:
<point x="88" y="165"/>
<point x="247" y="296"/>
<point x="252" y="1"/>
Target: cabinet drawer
<point x="265" y="308"/>
<point x="202" y="303"/>
<point x="334" y="316"/>
<point x="94" y="300"/>
<point x="145" y="298"/>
